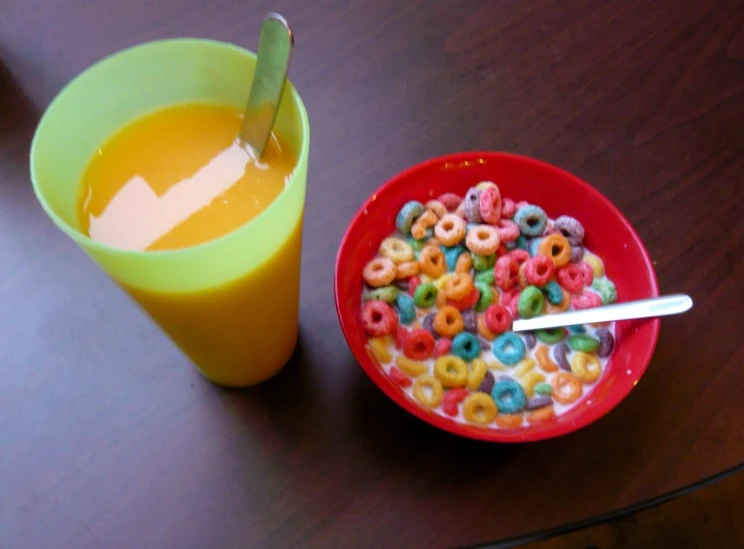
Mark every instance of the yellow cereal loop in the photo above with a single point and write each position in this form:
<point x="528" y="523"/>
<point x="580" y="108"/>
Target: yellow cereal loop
<point x="410" y="367"/>
<point x="495" y="366"/>
<point x="451" y="371"/>
<point x="596" y="264"/>
<point x="586" y="366"/>
<point x="380" y="347"/>
<point x="442" y="280"/>
<point x="396" y="250"/>
<point x="428" y="391"/>
<point x="483" y="185"/>
<point x="479" y="408"/>
<point x="529" y="380"/>
<point x="524" y="366"/>
<point x="478" y="371"/>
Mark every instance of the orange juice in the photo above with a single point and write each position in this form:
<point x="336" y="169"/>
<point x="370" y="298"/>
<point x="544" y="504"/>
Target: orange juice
<point x="175" y="179"/>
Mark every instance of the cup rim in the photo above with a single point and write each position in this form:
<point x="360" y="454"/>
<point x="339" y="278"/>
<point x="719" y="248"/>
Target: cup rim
<point x="85" y="240"/>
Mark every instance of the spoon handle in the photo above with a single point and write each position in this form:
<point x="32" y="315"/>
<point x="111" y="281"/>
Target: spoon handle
<point x="274" y="52"/>
<point x="643" y="308"/>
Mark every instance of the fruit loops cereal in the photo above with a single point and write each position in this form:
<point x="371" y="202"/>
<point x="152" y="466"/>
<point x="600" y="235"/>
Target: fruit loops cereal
<point x="440" y="296"/>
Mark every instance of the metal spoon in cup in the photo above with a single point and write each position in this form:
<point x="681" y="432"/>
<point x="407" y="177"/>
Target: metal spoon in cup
<point x="642" y="308"/>
<point x="270" y="76"/>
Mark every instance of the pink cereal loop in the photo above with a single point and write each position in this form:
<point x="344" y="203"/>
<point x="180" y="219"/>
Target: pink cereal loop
<point x="508" y="208"/>
<point x="490" y="205"/>
<point x="450" y="201"/>
<point x="508" y="230"/>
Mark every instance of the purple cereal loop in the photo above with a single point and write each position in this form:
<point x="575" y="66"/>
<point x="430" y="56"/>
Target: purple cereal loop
<point x="539" y="402"/>
<point x="530" y="340"/>
<point x="570" y="228"/>
<point x="606" y="342"/>
<point x="470" y="321"/>
<point x="577" y="253"/>
<point x="428" y="324"/>
<point x="487" y="383"/>
<point x="402" y="285"/>
<point x="559" y="355"/>
<point x="472" y="205"/>
<point x="485" y="344"/>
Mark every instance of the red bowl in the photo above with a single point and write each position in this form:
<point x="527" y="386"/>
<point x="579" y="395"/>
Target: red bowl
<point x="608" y="234"/>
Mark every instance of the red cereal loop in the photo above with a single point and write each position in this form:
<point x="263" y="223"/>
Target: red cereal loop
<point x="451" y="399"/>
<point x="442" y="347"/>
<point x="570" y="278"/>
<point x="400" y="378"/>
<point x="400" y="336"/>
<point x="508" y="208"/>
<point x="505" y="272"/>
<point x="498" y="319"/>
<point x="538" y="270"/>
<point x="490" y="205"/>
<point x="586" y="271"/>
<point x="450" y="201"/>
<point x="586" y="300"/>
<point x="520" y="255"/>
<point x="413" y="283"/>
<point x="508" y="230"/>
<point x="510" y="300"/>
<point x="466" y="303"/>
<point x="419" y="344"/>
<point x="378" y="318"/>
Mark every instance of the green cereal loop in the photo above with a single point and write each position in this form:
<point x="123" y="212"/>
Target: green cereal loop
<point x="483" y="262"/>
<point x="388" y="294"/>
<point x="551" y="335"/>
<point x="606" y="289"/>
<point x="543" y="388"/>
<point x="486" y="277"/>
<point x="584" y="343"/>
<point x="531" y="302"/>
<point x="487" y="296"/>
<point x="425" y="295"/>
<point x="417" y="245"/>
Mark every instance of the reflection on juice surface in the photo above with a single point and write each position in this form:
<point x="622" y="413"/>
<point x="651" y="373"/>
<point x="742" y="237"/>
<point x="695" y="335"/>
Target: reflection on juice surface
<point x="241" y="333"/>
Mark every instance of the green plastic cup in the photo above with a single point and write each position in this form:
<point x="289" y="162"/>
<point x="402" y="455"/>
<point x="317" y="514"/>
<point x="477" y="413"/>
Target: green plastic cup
<point x="231" y="304"/>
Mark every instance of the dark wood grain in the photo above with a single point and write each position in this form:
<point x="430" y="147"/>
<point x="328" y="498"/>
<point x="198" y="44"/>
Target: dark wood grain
<point x="108" y="437"/>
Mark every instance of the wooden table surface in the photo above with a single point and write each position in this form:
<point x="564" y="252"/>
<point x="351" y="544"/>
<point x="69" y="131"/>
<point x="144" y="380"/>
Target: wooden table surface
<point x="109" y="438"/>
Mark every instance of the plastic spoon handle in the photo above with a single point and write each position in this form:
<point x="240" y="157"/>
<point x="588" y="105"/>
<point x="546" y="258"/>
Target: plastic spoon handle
<point x="269" y="78"/>
<point x="643" y="308"/>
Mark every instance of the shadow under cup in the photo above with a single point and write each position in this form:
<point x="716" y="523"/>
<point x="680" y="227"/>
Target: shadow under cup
<point x="231" y="304"/>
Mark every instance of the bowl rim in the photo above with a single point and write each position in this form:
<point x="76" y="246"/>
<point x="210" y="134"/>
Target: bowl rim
<point x="523" y="434"/>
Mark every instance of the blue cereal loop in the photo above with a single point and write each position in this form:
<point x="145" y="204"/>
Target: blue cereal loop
<point x="406" y="308"/>
<point x="451" y="255"/>
<point x="531" y="220"/>
<point x="509" y="348"/>
<point x="520" y="243"/>
<point x="509" y="396"/>
<point x="406" y="216"/>
<point x="554" y="293"/>
<point x="533" y="245"/>
<point x="466" y="346"/>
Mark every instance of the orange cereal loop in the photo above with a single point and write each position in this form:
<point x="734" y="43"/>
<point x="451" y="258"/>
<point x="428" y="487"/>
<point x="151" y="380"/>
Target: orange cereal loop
<point x="436" y="207"/>
<point x="428" y="391"/>
<point x="522" y="277"/>
<point x="483" y="330"/>
<point x="450" y="230"/>
<point x="459" y="286"/>
<point x="562" y="306"/>
<point x="556" y="247"/>
<point x="543" y="359"/>
<point x="423" y="222"/>
<point x="483" y="240"/>
<point x="464" y="263"/>
<point x="406" y="270"/>
<point x="566" y="388"/>
<point x="448" y="321"/>
<point x="431" y="261"/>
<point x="509" y="421"/>
<point x="541" y="414"/>
<point x="441" y="300"/>
<point x="379" y="272"/>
